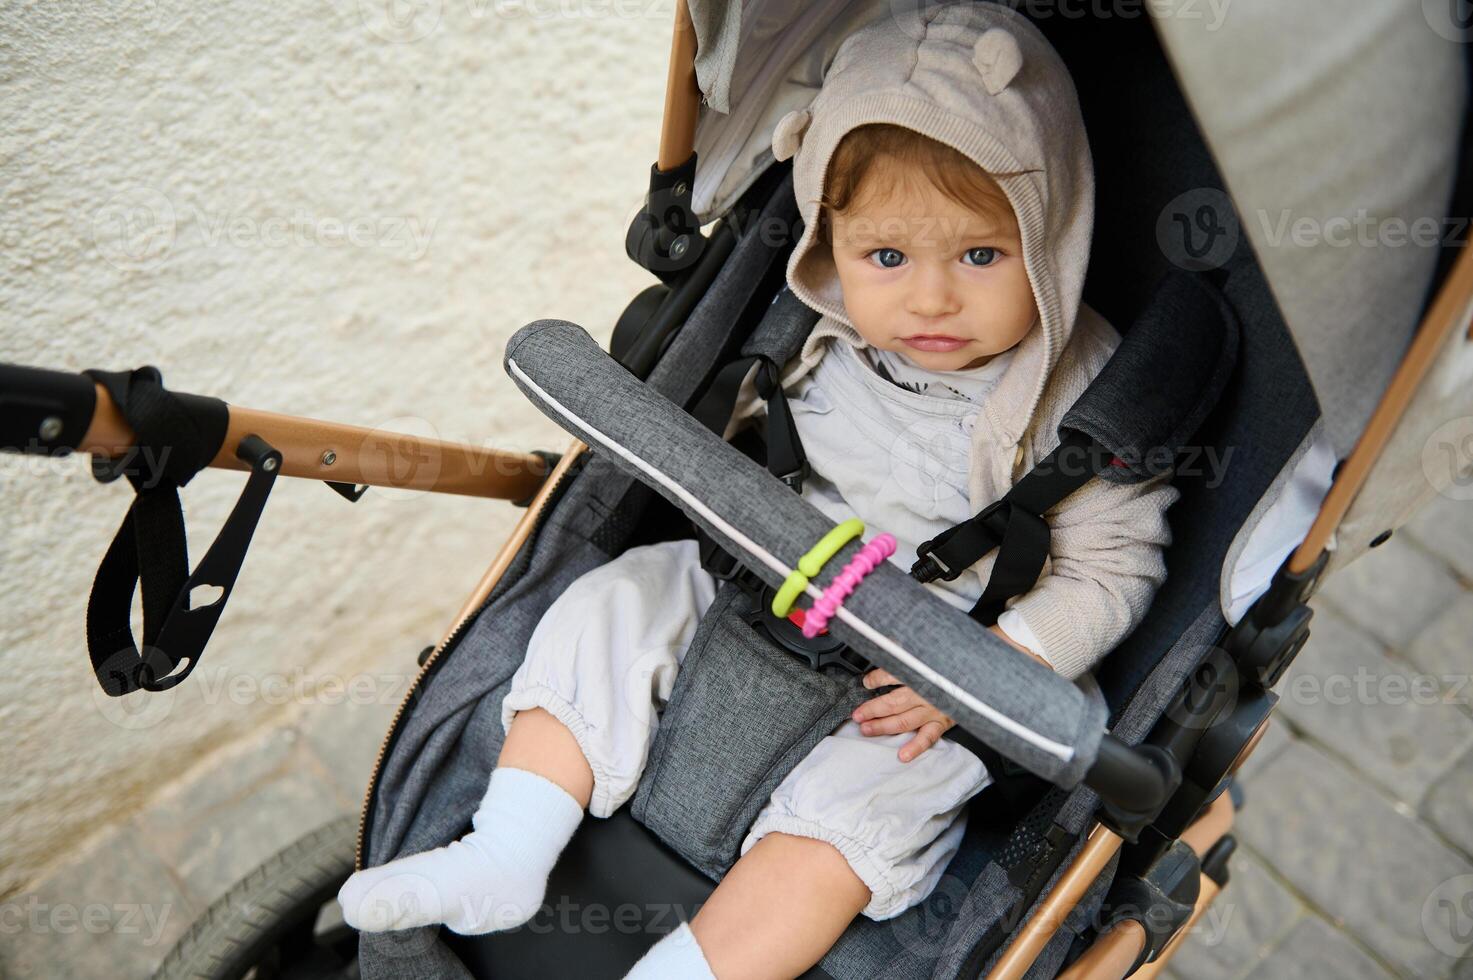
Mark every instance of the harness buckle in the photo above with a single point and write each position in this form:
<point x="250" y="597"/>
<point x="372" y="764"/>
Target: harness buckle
<point x="928" y="566"/>
<point x="794" y="480"/>
<point x="824" y="650"/>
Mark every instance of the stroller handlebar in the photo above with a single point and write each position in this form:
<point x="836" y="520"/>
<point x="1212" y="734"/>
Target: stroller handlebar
<point x="44" y="412"/>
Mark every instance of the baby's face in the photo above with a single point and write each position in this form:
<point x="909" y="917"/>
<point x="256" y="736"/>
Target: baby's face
<point x="927" y="277"/>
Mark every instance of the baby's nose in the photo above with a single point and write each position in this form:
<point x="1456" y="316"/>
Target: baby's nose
<point x="932" y="296"/>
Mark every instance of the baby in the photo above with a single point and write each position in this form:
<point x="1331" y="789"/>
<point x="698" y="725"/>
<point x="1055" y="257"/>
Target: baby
<point x="947" y="194"/>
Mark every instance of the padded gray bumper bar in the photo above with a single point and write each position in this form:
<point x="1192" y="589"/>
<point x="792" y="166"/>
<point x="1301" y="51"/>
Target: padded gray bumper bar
<point x="1017" y="706"/>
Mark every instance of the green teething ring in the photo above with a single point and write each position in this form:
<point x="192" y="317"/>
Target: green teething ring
<point x="810" y="564"/>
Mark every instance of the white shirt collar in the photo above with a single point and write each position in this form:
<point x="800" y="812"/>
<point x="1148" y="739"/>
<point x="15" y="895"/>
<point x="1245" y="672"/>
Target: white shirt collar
<point x="973" y="385"/>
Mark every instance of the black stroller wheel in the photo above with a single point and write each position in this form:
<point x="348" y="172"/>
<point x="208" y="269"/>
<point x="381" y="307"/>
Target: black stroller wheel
<point x="267" y="924"/>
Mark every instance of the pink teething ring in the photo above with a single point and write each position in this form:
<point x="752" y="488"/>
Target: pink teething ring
<point x="866" y="561"/>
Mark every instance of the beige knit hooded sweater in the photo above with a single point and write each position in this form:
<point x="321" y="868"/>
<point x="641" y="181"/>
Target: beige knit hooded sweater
<point x="982" y="79"/>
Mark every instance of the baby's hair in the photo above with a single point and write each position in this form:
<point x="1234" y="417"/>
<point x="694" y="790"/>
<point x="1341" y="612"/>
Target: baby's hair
<point x="953" y="173"/>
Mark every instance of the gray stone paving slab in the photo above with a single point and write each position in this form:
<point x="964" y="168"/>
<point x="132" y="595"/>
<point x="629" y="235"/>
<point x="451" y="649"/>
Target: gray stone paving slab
<point x="239" y="812"/>
<point x="1315" y="950"/>
<point x="113" y="913"/>
<point x="1378" y="713"/>
<point x="1393" y="591"/>
<point x="1240" y="927"/>
<point x="1445" y="527"/>
<point x="1445" y="648"/>
<point x="1351" y="852"/>
<point x="347" y="734"/>
<point x="1449" y="805"/>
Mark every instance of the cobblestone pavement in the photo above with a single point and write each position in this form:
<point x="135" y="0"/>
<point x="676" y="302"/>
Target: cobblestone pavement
<point x="1356" y="844"/>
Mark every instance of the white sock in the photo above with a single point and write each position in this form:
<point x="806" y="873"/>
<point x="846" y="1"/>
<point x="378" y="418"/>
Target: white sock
<point x="676" y="957"/>
<point x="491" y="879"/>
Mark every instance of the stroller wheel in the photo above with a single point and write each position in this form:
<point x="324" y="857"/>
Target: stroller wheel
<point x="273" y="923"/>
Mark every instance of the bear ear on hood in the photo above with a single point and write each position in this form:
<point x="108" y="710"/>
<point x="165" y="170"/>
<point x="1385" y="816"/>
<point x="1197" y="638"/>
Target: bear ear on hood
<point x="788" y="135"/>
<point x="998" y="57"/>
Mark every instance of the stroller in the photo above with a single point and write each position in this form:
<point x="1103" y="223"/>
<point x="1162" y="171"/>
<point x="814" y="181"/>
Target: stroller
<point x="1107" y="832"/>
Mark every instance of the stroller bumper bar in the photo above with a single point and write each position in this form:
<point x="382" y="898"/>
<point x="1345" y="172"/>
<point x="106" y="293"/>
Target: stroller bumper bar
<point x="1015" y="705"/>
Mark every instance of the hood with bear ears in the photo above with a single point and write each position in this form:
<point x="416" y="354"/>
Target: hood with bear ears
<point x="980" y="78"/>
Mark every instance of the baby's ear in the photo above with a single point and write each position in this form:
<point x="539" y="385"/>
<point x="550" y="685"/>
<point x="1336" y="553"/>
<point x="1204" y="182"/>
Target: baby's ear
<point x="788" y="135"/>
<point x="999" y="59"/>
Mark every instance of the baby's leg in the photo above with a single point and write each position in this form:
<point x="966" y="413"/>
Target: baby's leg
<point x="779" y="909"/>
<point x="580" y="715"/>
<point x="898" y="824"/>
<point x="851" y="829"/>
<point x="537" y="742"/>
<point x="602" y="662"/>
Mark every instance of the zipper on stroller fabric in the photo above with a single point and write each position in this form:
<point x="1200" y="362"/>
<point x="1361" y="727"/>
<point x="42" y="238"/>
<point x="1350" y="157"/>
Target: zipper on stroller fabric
<point x="452" y="641"/>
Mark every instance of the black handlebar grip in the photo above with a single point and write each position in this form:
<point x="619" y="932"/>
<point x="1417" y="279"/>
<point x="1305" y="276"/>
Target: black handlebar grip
<point x="44" y="412"/>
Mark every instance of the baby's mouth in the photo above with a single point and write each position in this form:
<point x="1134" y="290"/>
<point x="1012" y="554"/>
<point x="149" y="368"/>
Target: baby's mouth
<point x="937" y="343"/>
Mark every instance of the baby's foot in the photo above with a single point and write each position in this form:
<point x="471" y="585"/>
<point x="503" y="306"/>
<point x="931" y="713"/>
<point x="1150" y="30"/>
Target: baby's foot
<point x="491" y="879"/>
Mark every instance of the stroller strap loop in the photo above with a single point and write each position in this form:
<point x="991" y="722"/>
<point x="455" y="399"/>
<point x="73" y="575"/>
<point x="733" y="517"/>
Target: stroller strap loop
<point x="177" y="436"/>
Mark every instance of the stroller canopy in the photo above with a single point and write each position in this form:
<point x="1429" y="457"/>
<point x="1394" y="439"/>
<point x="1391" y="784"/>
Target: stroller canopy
<point x="1337" y="137"/>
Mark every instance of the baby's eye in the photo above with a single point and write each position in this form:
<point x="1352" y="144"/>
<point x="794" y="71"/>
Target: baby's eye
<point x="981" y="256"/>
<point x="887" y="258"/>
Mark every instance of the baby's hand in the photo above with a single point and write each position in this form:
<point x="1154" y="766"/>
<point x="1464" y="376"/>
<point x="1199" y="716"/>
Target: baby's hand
<point x="902" y="710"/>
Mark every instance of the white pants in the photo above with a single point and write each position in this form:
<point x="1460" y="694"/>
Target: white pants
<point x="603" y="660"/>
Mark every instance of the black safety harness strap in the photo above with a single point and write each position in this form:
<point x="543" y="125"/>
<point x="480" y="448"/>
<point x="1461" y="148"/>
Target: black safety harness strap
<point x="785" y="457"/>
<point x="1014" y="525"/>
<point x="176" y="437"/>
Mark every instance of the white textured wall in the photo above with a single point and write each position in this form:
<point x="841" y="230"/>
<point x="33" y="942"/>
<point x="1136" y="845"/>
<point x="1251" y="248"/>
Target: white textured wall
<point x="178" y="181"/>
